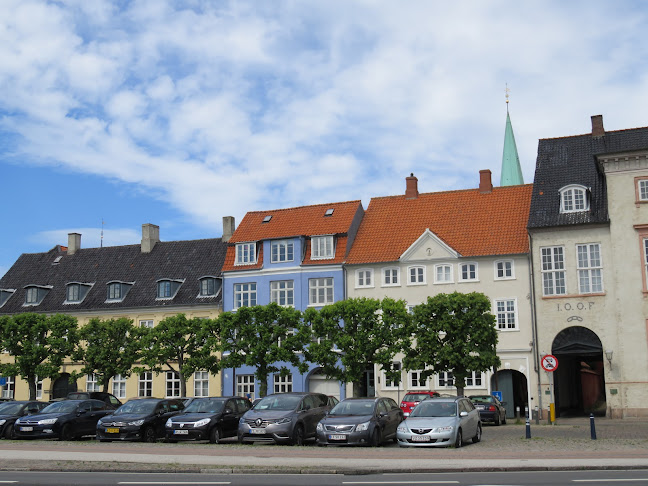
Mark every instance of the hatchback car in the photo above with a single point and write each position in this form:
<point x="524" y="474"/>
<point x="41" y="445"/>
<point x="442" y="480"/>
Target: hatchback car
<point x="283" y="418"/>
<point x="360" y="421"/>
<point x="65" y="420"/>
<point x="207" y="419"/>
<point x="138" y="419"/>
<point x="413" y="398"/>
<point x="112" y="401"/>
<point x="441" y="422"/>
<point x="11" y="411"/>
<point x="490" y="408"/>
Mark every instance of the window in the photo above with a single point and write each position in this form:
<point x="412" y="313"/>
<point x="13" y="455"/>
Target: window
<point x="320" y="291"/>
<point x="474" y="379"/>
<point x="416" y="275"/>
<point x="245" y="386"/>
<point x="416" y="380"/>
<point x="283" y="384"/>
<point x="390" y="277"/>
<point x="91" y="383"/>
<point x="32" y="295"/>
<point x="9" y="388"/>
<point x="145" y="384"/>
<point x="553" y="271"/>
<point x="388" y="380"/>
<point x="446" y="379"/>
<point x="506" y="313"/>
<point x="590" y="272"/>
<point x="245" y="253"/>
<point x="117" y="291"/>
<point x="504" y="270"/>
<point x="245" y="295"/>
<point x="209" y="286"/>
<point x="146" y="323"/>
<point x="642" y="189"/>
<point x="73" y="293"/>
<point x="281" y="251"/>
<point x="119" y="386"/>
<point x="282" y="293"/>
<point x="4" y="295"/>
<point x="443" y="274"/>
<point x="364" y="278"/>
<point x="322" y="247"/>
<point x="172" y="384"/>
<point x="201" y="384"/>
<point x="468" y="272"/>
<point x="167" y="289"/>
<point x="39" y="388"/>
<point x="573" y="199"/>
<point x="35" y="294"/>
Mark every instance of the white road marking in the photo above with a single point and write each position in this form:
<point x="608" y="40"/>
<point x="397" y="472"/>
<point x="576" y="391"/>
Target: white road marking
<point x="174" y="482"/>
<point x="400" y="482"/>
<point x="620" y="480"/>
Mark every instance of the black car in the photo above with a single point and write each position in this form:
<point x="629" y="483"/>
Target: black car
<point x="10" y="411"/>
<point x="490" y="408"/>
<point x="208" y="419"/>
<point x="360" y="421"/>
<point x="112" y="401"/>
<point x="138" y="419"/>
<point x="65" y="420"/>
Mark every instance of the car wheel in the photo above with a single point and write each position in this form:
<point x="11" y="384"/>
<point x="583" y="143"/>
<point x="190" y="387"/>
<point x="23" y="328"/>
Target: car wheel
<point x="478" y="435"/>
<point x="458" y="440"/>
<point x="504" y="419"/>
<point x="298" y="436"/>
<point x="497" y="419"/>
<point x="215" y="436"/>
<point x="149" y="435"/>
<point x="66" y="433"/>
<point x="9" y="432"/>
<point x="376" y="438"/>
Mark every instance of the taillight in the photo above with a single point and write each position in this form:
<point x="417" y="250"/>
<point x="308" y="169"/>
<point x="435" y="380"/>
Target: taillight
<point x="492" y="408"/>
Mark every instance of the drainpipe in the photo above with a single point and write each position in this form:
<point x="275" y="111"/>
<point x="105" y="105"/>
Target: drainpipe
<point x="534" y="324"/>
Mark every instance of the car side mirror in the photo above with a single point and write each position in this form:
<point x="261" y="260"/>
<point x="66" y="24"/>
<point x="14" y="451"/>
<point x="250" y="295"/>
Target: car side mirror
<point x="463" y="414"/>
<point x="228" y="411"/>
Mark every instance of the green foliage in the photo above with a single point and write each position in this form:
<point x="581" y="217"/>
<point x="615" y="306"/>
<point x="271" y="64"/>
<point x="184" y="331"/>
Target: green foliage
<point x="453" y="332"/>
<point x="111" y="348"/>
<point x="38" y="344"/>
<point x="352" y="335"/>
<point x="264" y="337"/>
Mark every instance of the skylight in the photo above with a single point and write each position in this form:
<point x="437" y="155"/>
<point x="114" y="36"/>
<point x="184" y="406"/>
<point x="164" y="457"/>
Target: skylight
<point x="267" y="218"/>
<point x="329" y="212"/>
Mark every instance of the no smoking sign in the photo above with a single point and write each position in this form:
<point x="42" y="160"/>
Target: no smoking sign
<point x="549" y="362"/>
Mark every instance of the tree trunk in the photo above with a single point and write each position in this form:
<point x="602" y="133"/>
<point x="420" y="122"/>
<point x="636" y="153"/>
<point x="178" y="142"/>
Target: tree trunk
<point x="31" y="380"/>
<point x="105" y="386"/>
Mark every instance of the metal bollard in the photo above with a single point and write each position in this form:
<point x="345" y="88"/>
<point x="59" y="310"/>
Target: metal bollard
<point x="526" y="412"/>
<point x="592" y="427"/>
<point x="537" y="415"/>
<point x="517" y="413"/>
<point x="528" y="428"/>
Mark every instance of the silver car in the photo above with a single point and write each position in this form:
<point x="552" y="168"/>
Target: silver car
<point x="440" y="422"/>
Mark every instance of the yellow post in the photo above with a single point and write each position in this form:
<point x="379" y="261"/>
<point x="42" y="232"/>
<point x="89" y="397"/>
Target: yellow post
<point x="552" y="412"/>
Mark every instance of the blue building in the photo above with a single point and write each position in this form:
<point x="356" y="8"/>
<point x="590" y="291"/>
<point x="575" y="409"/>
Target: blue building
<point x="293" y="257"/>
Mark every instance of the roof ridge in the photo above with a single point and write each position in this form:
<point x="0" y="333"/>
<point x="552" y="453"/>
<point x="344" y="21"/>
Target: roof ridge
<point x="590" y="134"/>
<point x="495" y="188"/>
<point x="305" y="206"/>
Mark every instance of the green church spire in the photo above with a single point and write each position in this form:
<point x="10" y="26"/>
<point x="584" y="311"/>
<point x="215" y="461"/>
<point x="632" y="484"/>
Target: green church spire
<point x="511" y="170"/>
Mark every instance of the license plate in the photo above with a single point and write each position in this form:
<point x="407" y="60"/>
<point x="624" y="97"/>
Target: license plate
<point x="257" y="431"/>
<point x="337" y="437"/>
<point x="112" y="430"/>
<point x="181" y="432"/>
<point x="479" y="407"/>
<point x="420" y="438"/>
<point x="26" y="429"/>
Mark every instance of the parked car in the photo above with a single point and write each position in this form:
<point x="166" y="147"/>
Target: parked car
<point x="441" y="422"/>
<point x="138" y="419"/>
<point x="490" y="408"/>
<point x="360" y="421"/>
<point x="10" y="411"/>
<point x="208" y="419"/>
<point x="65" y="420"/>
<point x="109" y="398"/>
<point x="283" y="418"/>
<point x="332" y="401"/>
<point x="413" y="398"/>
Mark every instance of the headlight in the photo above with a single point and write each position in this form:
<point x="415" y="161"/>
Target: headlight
<point x="47" y="421"/>
<point x="2" y="422"/>
<point x="202" y="422"/>
<point x="136" y="423"/>
<point x="169" y="424"/>
<point x="402" y="428"/>
<point x="362" y="427"/>
<point x="319" y="427"/>
<point x="241" y="421"/>
<point x="285" y="420"/>
<point x="18" y="421"/>
<point x="449" y="428"/>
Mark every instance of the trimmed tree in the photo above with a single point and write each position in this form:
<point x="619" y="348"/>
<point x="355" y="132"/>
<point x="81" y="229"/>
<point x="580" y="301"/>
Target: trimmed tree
<point x="453" y="333"/>
<point x="38" y="344"/>
<point x="351" y="336"/>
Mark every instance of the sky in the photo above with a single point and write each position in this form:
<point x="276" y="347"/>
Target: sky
<point x="118" y="113"/>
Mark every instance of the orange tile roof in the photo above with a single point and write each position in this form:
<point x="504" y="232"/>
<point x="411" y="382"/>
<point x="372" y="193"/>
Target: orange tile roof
<point x="472" y="223"/>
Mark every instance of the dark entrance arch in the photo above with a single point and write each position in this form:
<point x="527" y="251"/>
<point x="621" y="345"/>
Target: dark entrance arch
<point x="62" y="386"/>
<point x="514" y="388"/>
<point x="579" y="385"/>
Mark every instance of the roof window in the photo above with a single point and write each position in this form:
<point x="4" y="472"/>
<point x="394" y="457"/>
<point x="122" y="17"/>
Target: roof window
<point x="267" y="218"/>
<point x="329" y="212"/>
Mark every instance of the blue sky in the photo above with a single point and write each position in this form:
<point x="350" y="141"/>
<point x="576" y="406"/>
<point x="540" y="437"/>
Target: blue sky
<point x="178" y="113"/>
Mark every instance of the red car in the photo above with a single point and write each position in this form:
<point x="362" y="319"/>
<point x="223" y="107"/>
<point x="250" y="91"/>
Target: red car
<point x="412" y="399"/>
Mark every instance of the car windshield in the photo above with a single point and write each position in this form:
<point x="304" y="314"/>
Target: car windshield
<point x="11" y="408"/>
<point x="78" y="396"/>
<point x="354" y="407"/>
<point x="137" y="406"/>
<point x="482" y="399"/>
<point x="278" y="402"/>
<point x="431" y="408"/>
<point x="415" y="397"/>
<point x="60" y="407"/>
<point x="205" y="406"/>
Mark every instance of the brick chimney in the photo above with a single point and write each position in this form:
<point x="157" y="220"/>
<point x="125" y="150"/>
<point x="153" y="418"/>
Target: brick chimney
<point x="74" y="243"/>
<point x="485" y="184"/>
<point x="228" y="228"/>
<point x="411" y="187"/>
<point x="150" y="236"/>
<point x="597" y="126"/>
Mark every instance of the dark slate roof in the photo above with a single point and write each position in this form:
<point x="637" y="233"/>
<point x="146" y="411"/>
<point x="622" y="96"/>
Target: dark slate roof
<point x="572" y="160"/>
<point x="188" y="260"/>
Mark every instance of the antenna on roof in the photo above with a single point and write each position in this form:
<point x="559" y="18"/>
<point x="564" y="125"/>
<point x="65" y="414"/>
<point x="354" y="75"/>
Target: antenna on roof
<point x="506" y="94"/>
<point x="102" y="226"/>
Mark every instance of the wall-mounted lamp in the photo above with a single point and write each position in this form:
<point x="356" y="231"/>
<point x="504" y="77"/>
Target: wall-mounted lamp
<point x="608" y="355"/>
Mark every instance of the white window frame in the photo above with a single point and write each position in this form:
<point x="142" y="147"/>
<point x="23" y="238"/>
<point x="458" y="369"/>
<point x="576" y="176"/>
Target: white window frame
<point x="473" y="378"/>
<point x="419" y="277"/>
<point x="642" y="189"/>
<point x="322" y="247"/>
<point x="245" y="253"/>
<point x="31" y="296"/>
<point x="445" y="379"/>
<point x="553" y="270"/>
<point x="589" y="268"/>
<point x="506" y="268"/>
<point x="119" y="386"/>
<point x="390" y="277"/>
<point x="390" y="385"/>
<point x="321" y="291"/>
<point x="573" y="199"/>
<point x="148" y="323"/>
<point x="364" y="278"/>
<point x="201" y="384"/>
<point x="91" y="383"/>
<point x="245" y="385"/>
<point x="9" y="389"/>
<point x="282" y="292"/>
<point x="414" y="380"/>
<point x="443" y="266"/>
<point x="171" y="384"/>
<point x="506" y="314"/>
<point x="474" y="278"/>
<point x="285" y="251"/>
<point x="283" y="384"/>
<point x="145" y="384"/>
<point x="245" y="295"/>
<point x="112" y="295"/>
<point x="204" y="287"/>
<point x="39" y="388"/>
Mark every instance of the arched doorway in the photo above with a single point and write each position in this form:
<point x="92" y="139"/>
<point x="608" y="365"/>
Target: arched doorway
<point x="514" y="388"/>
<point x="62" y="386"/>
<point x="579" y="385"/>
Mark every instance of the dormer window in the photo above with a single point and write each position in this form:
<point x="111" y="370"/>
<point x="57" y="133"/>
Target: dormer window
<point x="574" y="199"/>
<point x="245" y="253"/>
<point x="209" y="286"/>
<point x="167" y="288"/>
<point x="4" y="295"/>
<point x="117" y="290"/>
<point x="322" y="247"/>
<point x="76" y="292"/>
<point x="34" y="294"/>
